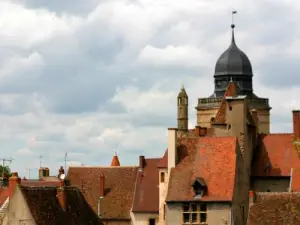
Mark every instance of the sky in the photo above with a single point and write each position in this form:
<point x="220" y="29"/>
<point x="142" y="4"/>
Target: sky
<point x="97" y="76"/>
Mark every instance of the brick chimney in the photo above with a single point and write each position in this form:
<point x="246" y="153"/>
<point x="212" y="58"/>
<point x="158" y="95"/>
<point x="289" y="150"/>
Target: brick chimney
<point x="142" y="161"/>
<point x="251" y="197"/>
<point x="61" y="195"/>
<point x="172" y="148"/>
<point x="13" y="181"/>
<point x="296" y="123"/>
<point x="200" y="131"/>
<point x="102" y="185"/>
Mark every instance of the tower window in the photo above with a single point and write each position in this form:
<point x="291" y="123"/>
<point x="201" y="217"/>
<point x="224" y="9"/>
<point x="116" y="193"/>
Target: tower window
<point x="230" y="108"/>
<point x="179" y="101"/>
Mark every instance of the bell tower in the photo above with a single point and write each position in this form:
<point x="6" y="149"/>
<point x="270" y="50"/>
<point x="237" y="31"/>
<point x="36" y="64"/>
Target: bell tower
<point x="182" y="110"/>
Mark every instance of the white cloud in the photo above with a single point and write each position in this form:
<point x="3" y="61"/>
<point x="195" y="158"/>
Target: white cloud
<point x="108" y="79"/>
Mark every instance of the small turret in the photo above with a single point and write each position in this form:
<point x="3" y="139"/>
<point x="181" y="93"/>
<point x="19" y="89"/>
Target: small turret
<point x="182" y="110"/>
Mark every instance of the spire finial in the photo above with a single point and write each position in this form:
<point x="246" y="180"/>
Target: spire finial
<point x="232" y="25"/>
<point x="182" y="87"/>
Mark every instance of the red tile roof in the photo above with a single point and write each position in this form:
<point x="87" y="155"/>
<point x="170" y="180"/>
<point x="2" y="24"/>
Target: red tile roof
<point x="275" y="151"/>
<point x="163" y="162"/>
<point x="4" y="193"/>
<point x="210" y="158"/>
<point x="280" y="208"/>
<point x="146" y="197"/>
<point x="221" y="114"/>
<point x="115" y="161"/>
<point x="118" y="192"/>
<point x="296" y="180"/>
<point x="46" y="210"/>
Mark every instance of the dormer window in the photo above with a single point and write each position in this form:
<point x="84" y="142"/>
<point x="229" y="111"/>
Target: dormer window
<point x="200" y="187"/>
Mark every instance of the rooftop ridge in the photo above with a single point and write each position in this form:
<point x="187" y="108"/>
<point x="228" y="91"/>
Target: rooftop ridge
<point x="104" y="167"/>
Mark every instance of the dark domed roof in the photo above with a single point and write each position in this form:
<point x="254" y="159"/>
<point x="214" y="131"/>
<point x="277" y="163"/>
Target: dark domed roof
<point x="233" y="61"/>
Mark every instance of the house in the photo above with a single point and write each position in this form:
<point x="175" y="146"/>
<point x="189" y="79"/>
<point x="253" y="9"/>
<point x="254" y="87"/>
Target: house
<point x="47" y="205"/>
<point x="120" y="194"/>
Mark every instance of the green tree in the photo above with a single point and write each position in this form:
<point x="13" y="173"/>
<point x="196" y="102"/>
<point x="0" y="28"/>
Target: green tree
<point x="6" y="171"/>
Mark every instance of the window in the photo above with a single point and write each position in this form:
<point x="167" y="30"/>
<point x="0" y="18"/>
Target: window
<point x="194" y="214"/>
<point x="162" y="177"/>
<point x="164" y="212"/>
<point x="199" y="187"/>
<point x="151" y="221"/>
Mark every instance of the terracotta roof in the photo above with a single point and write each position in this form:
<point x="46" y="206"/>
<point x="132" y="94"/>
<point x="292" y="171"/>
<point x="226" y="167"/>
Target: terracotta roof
<point x="275" y="208"/>
<point x="146" y="197"/>
<point x="118" y="193"/>
<point x="46" y="210"/>
<point x="221" y="114"/>
<point x="163" y="162"/>
<point x="296" y="180"/>
<point x="276" y="152"/>
<point x="4" y="193"/>
<point x="210" y="158"/>
<point x="115" y="161"/>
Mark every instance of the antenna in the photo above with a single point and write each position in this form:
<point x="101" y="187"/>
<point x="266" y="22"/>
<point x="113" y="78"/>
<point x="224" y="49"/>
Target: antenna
<point x="41" y="160"/>
<point x="4" y="160"/>
<point x="29" y="170"/>
<point x="66" y="160"/>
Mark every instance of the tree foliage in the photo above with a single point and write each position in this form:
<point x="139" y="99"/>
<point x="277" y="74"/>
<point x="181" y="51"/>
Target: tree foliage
<point x="6" y="171"/>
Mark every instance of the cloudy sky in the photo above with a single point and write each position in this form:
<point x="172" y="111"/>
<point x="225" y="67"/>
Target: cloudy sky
<point x="91" y="77"/>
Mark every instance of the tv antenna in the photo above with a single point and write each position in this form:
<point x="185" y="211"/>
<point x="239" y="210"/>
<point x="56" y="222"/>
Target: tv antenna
<point x="66" y="160"/>
<point x="4" y="160"/>
<point x="41" y="160"/>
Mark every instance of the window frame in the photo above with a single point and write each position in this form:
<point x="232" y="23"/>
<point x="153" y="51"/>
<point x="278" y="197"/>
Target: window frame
<point x="199" y="211"/>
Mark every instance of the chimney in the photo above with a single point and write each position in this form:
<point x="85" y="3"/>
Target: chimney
<point x="200" y="131"/>
<point x="172" y="148"/>
<point x="61" y="171"/>
<point x="102" y="185"/>
<point x="61" y="195"/>
<point x="251" y="197"/>
<point x="13" y="181"/>
<point x="296" y="123"/>
<point x="142" y="161"/>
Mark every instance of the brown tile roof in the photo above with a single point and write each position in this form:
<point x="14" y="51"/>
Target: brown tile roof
<point x="221" y="113"/>
<point x="115" y="161"/>
<point x="118" y="193"/>
<point x="276" y="151"/>
<point x="210" y="158"/>
<point x="46" y="210"/>
<point x="163" y="162"/>
<point x="40" y="183"/>
<point x="146" y="197"/>
<point x="275" y="208"/>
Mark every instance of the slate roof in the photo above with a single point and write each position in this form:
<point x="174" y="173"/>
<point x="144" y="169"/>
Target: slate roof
<point x="210" y="158"/>
<point x="275" y="208"/>
<point x="276" y="150"/>
<point x="46" y="210"/>
<point x="118" y="193"/>
<point x="146" y="198"/>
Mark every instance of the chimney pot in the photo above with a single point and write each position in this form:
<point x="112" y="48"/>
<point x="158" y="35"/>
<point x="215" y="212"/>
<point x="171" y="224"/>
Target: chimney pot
<point x="296" y="123"/>
<point x="102" y="185"/>
<point x="142" y="161"/>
